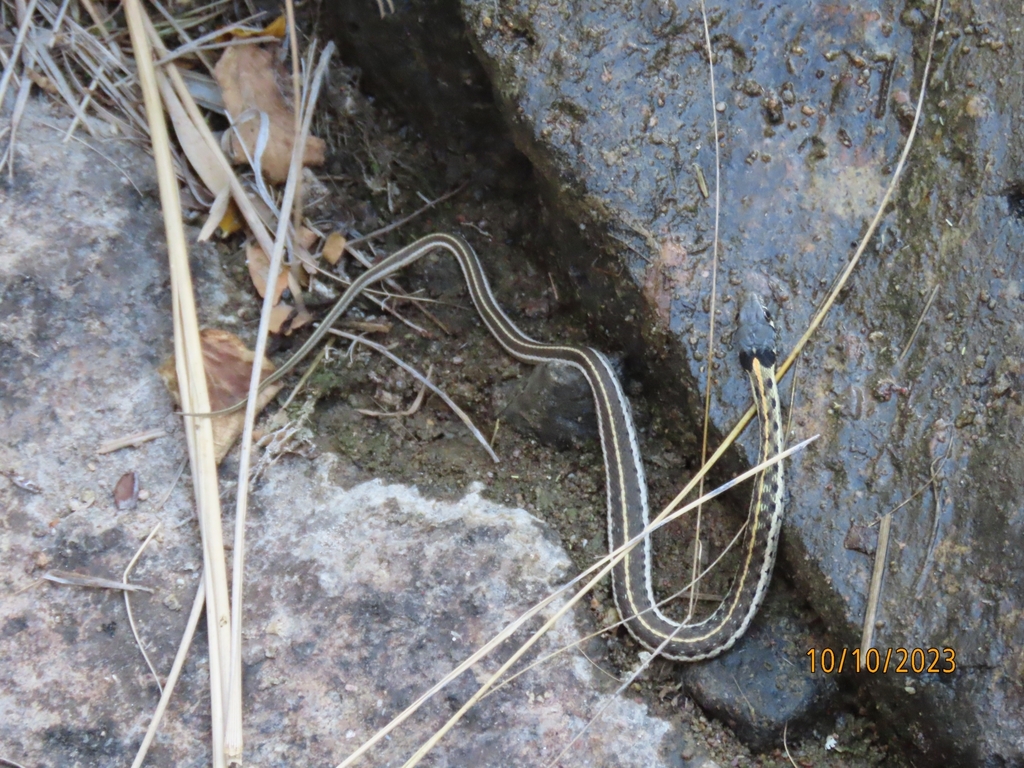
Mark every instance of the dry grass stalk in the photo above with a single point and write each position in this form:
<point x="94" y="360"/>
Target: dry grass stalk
<point x="233" y="734"/>
<point x="714" y="299"/>
<point x="172" y="677"/>
<point x="191" y="378"/>
<point x="128" y="605"/>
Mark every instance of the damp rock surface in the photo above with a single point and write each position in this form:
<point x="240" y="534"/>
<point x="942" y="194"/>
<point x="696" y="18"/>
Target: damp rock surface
<point x="912" y="381"/>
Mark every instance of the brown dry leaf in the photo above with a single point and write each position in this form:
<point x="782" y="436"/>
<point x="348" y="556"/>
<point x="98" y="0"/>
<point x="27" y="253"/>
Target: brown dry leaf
<point x="228" y="365"/>
<point x="43" y="82"/>
<point x="259" y="266"/>
<point x="126" y="492"/>
<point x="334" y="247"/>
<point x="287" y="317"/>
<point x="305" y="238"/>
<point x="248" y="79"/>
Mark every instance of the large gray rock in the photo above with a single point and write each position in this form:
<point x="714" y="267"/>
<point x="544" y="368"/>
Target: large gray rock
<point x="359" y="596"/>
<point x="916" y="373"/>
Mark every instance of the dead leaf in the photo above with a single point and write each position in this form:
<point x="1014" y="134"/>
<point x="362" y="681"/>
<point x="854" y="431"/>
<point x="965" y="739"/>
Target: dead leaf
<point x="259" y="266"/>
<point x="228" y="364"/>
<point x="200" y="156"/>
<point x="126" y="492"/>
<point x="276" y="28"/>
<point x="305" y="238"/>
<point x="231" y="222"/>
<point x="249" y="79"/>
<point x="286" y="318"/>
<point x="334" y="247"/>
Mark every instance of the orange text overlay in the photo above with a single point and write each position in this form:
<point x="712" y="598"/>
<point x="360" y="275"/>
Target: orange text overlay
<point x="919" y="661"/>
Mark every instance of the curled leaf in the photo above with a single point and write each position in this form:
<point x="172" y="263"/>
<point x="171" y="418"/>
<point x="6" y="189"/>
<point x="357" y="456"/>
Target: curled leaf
<point x="249" y="80"/>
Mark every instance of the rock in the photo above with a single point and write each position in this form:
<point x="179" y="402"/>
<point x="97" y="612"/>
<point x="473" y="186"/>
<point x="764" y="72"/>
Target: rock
<point x="610" y="102"/>
<point x="357" y="600"/>
<point x="762" y="688"/>
<point x="556" y="406"/>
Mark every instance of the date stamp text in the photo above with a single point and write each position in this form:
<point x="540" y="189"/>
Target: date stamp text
<point x="920" y="661"/>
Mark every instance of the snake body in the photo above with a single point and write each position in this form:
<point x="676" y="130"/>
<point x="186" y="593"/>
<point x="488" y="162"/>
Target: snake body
<point x="628" y="512"/>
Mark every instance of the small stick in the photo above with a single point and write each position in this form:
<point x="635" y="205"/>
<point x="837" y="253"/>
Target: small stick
<point x="172" y="677"/>
<point x="401" y="222"/>
<point x="16" y="52"/>
<point x="868" y="632"/>
<point x="785" y="746"/>
<point x="84" y="580"/>
<point x="128" y="605"/>
<point x="305" y="377"/>
<point x="129" y="441"/>
<point x="927" y="306"/>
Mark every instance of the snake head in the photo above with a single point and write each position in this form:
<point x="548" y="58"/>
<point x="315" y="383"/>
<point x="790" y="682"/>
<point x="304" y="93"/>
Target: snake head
<point x="755" y="334"/>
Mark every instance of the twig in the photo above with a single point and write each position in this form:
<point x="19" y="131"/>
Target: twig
<point x="399" y="291"/>
<point x="233" y="734"/>
<point x="16" y="51"/>
<point x="85" y="143"/>
<point x="867" y="634"/>
<point x="182" y="33"/>
<point x="785" y="746"/>
<point x="129" y="441"/>
<point x="302" y="381"/>
<point x="167" y="494"/>
<point x="197" y="45"/>
<point x="881" y="550"/>
<point x="95" y="582"/>
<point x="128" y="605"/>
<point x="711" y="313"/>
<point x="879" y="213"/>
<point x="192" y="386"/>
<point x="920" y="319"/>
<point x="16" y="114"/>
<point x="402" y="222"/>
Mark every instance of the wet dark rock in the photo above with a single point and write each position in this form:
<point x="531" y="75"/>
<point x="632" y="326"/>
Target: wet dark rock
<point x="610" y="103"/>
<point x="556" y="406"/>
<point x="421" y="61"/>
<point x="762" y="685"/>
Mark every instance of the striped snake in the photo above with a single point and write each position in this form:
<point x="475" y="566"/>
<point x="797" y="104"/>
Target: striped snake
<point x="628" y="512"/>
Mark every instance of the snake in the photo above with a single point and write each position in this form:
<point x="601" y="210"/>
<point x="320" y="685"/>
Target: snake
<point x="628" y="509"/>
